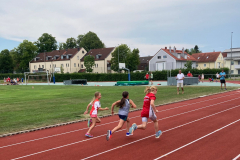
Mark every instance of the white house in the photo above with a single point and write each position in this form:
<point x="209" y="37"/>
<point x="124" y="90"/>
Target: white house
<point x="168" y="59"/>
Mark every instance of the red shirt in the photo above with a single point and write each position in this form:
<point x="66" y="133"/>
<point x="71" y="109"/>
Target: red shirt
<point x="146" y="104"/>
<point x="8" y="79"/>
<point x="95" y="106"/>
<point x="147" y="76"/>
<point x="189" y="74"/>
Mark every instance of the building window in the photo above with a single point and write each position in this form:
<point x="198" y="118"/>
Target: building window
<point x="205" y="65"/>
<point x="81" y="65"/>
<point x="55" y="65"/>
<point x="232" y="62"/>
<point x="78" y="64"/>
<point x="159" y="57"/>
<point x="35" y="66"/>
<point x="78" y="57"/>
<point x="232" y="71"/>
<point x="82" y="51"/>
<point x="196" y="65"/>
<point x="50" y="65"/>
<point x="74" y="64"/>
<point x="164" y="56"/>
<point x="68" y="64"/>
<point x="42" y="66"/>
<point x="39" y="66"/>
<point x="62" y="65"/>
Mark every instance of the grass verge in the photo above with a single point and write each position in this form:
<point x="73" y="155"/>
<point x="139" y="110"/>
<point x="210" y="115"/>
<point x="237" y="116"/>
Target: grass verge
<point x="24" y="107"/>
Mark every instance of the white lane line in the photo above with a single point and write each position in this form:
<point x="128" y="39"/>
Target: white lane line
<point x="104" y="124"/>
<point x="236" y="157"/>
<point x="117" y="121"/>
<point x="163" y="132"/>
<point x="121" y="130"/>
<point x="198" y="139"/>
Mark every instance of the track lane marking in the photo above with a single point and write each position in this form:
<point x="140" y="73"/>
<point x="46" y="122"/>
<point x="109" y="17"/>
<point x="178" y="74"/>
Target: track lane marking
<point x="124" y="144"/>
<point x="197" y="139"/>
<point x="236" y="157"/>
<point x="105" y="123"/>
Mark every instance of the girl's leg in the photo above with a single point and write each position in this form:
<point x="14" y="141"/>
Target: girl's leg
<point x="128" y="122"/>
<point x="155" y="125"/>
<point x="98" y="120"/>
<point x="93" y="125"/>
<point x="120" y="124"/>
<point x="142" y="126"/>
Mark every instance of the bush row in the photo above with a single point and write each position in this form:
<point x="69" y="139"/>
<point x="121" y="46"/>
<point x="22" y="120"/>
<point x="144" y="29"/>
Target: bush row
<point x="158" y="75"/>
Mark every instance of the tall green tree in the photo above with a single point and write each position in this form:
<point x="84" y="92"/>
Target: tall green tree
<point x="6" y="62"/>
<point x="46" y="43"/>
<point x="133" y="60"/>
<point x="193" y="50"/>
<point x="70" y="43"/>
<point x="79" y="39"/>
<point x="91" y="41"/>
<point x="61" y="46"/>
<point x="188" y="65"/>
<point x="122" y="52"/>
<point x="89" y="63"/>
<point x="23" y="54"/>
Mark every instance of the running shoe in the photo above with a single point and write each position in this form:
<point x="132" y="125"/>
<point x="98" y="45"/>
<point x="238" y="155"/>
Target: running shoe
<point x="89" y="122"/>
<point x="88" y="135"/>
<point x="133" y="128"/>
<point x="158" y="134"/>
<point x="128" y="134"/>
<point x="109" y="135"/>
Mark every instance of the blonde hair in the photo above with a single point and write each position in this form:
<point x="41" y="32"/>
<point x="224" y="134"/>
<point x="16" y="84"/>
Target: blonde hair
<point x="150" y="89"/>
<point x="95" y="96"/>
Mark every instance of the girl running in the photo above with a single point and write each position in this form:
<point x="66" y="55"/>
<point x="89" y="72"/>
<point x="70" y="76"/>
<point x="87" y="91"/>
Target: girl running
<point x="93" y="113"/>
<point x="124" y="106"/>
<point x="149" y="111"/>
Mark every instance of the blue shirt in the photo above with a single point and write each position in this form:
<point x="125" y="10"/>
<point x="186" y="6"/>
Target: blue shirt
<point x="222" y="75"/>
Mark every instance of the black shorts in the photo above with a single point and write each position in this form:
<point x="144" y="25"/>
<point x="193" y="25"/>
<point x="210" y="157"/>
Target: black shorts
<point x="123" y="117"/>
<point x="222" y="81"/>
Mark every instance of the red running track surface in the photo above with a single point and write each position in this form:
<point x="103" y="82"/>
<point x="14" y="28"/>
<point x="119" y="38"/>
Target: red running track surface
<point x="202" y="128"/>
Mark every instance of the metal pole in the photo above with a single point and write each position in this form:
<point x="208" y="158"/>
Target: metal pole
<point x="118" y="58"/>
<point x="231" y="57"/>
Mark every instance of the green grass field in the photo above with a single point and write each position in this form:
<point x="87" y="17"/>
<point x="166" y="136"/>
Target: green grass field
<point x="22" y="107"/>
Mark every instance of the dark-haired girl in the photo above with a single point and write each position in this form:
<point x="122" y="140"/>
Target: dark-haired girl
<point x="124" y="105"/>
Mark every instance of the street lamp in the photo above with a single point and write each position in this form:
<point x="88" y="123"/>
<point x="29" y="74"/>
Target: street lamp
<point x="231" y="58"/>
<point x="118" y="58"/>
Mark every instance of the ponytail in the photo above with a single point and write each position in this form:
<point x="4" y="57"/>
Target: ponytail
<point x="122" y="102"/>
<point x="95" y="96"/>
<point x="150" y="89"/>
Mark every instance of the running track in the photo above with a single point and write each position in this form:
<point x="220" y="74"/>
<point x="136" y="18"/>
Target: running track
<point x="204" y="128"/>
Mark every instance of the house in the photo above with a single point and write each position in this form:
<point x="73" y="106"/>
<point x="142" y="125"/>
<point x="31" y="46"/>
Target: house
<point x="144" y="63"/>
<point x="232" y="60"/>
<point x="102" y="57"/>
<point x="168" y="59"/>
<point x="68" y="60"/>
<point x="209" y="60"/>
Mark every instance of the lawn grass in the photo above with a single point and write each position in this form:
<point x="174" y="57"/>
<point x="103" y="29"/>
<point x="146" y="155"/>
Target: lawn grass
<point x="24" y="107"/>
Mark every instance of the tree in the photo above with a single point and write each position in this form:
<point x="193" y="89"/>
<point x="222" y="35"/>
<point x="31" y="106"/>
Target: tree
<point x="91" y="41"/>
<point x="132" y="60"/>
<point x="46" y="43"/>
<point x="88" y="63"/>
<point x="70" y="43"/>
<point x="187" y="50"/>
<point x="79" y="39"/>
<point x="193" y="50"/>
<point x="123" y="50"/>
<point x="196" y="49"/>
<point x="61" y="46"/>
<point x="6" y="62"/>
<point x="23" y="54"/>
<point x="62" y="69"/>
<point x="188" y="65"/>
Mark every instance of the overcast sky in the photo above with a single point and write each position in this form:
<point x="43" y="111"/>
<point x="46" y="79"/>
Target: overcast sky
<point x="145" y="24"/>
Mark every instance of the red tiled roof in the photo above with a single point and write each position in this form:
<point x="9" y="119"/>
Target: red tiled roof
<point x="224" y="55"/>
<point x="42" y="57"/>
<point x="189" y="57"/>
<point x="206" y="57"/>
<point x="104" y="52"/>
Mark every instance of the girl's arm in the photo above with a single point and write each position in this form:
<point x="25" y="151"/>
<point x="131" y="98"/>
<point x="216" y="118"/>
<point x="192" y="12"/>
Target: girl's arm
<point x="153" y="106"/>
<point x="102" y="109"/>
<point x="114" y="104"/>
<point x="133" y="105"/>
<point x="87" y="108"/>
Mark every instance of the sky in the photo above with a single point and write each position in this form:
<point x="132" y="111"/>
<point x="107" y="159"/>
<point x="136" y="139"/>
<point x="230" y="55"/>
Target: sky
<point x="148" y="25"/>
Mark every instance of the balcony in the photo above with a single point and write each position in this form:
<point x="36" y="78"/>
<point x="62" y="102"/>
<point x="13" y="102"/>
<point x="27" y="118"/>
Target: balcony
<point x="237" y="66"/>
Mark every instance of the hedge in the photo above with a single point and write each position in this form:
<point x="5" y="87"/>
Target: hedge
<point x="157" y="75"/>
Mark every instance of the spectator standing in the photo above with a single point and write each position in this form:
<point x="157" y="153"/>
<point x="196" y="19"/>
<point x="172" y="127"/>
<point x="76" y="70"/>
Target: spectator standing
<point x="202" y="77"/>
<point x="151" y="77"/>
<point x="180" y="77"/>
<point x="222" y="79"/>
<point x="189" y="74"/>
<point x="147" y="76"/>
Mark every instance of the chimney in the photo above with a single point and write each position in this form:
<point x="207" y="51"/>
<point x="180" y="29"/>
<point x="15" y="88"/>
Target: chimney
<point x="170" y="49"/>
<point x="174" y="49"/>
<point x="183" y="50"/>
<point x="165" y="47"/>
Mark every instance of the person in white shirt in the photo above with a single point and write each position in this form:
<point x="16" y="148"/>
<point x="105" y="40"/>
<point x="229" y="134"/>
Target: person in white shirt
<point x="179" y="79"/>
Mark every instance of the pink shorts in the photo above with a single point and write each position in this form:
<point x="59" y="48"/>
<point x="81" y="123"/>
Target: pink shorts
<point x="93" y="116"/>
